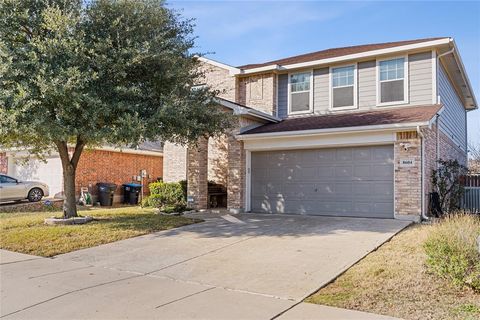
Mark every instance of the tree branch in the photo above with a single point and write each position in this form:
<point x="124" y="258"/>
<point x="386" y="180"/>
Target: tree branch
<point x="78" y="151"/>
<point x="62" y="151"/>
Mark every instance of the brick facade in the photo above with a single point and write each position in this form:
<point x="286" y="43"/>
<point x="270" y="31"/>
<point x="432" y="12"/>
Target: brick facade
<point x="3" y="162"/>
<point x="407" y="179"/>
<point x="116" y="167"/>
<point x="197" y="175"/>
<point x="174" y="162"/>
<point x="219" y="79"/>
<point x="218" y="160"/>
<point x="236" y="175"/>
<point x="259" y="92"/>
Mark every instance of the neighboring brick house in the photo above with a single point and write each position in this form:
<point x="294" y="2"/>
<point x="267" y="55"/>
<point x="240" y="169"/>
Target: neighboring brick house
<point x="3" y="162"/>
<point x="349" y="131"/>
<point x="104" y="164"/>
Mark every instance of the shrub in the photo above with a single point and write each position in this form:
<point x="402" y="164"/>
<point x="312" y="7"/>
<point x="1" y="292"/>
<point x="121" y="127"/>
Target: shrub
<point x="446" y="182"/>
<point x="452" y="249"/>
<point x="163" y="194"/>
<point x="183" y="183"/>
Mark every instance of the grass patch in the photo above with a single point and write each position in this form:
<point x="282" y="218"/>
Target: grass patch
<point x="395" y="280"/>
<point x="452" y="250"/>
<point x="26" y="232"/>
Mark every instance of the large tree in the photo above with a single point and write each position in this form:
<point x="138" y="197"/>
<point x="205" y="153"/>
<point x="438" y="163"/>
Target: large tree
<point x="76" y="74"/>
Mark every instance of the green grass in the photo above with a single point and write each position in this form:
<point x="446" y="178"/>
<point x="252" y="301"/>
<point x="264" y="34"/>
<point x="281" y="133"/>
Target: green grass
<point x="395" y="280"/>
<point x="27" y="233"/>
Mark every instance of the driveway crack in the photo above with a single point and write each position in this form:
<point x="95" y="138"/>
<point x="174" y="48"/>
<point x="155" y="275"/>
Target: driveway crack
<point x="182" y="298"/>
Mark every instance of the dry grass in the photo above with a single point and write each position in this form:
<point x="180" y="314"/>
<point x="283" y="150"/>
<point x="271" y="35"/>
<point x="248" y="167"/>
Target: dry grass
<point x="395" y="281"/>
<point x="26" y="232"/>
<point x="452" y="250"/>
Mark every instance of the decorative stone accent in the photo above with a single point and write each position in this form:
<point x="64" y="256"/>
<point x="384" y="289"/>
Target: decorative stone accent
<point x="197" y="175"/>
<point x="258" y="92"/>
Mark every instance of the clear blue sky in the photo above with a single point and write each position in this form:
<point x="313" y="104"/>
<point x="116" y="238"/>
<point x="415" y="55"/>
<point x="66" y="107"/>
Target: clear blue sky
<point x="238" y="33"/>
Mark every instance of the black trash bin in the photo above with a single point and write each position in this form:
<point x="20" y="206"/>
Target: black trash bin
<point x="105" y="193"/>
<point x="131" y="193"/>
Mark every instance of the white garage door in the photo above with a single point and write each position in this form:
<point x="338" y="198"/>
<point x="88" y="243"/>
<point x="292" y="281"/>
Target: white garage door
<point x="356" y="181"/>
<point x="49" y="172"/>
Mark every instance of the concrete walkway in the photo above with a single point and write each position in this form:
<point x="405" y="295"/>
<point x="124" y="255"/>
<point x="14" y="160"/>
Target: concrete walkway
<point x="236" y="267"/>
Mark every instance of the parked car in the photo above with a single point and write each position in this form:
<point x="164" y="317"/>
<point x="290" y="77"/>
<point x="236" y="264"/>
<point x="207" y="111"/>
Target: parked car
<point x="12" y="189"/>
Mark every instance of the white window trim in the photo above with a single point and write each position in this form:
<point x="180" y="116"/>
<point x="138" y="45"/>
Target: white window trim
<point x="310" y="110"/>
<point x="355" y="87"/>
<point x="405" y="79"/>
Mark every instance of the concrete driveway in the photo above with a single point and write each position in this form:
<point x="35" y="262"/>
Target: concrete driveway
<point x="247" y="266"/>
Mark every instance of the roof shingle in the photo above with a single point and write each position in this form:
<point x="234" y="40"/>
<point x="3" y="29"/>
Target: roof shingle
<point x="336" y="52"/>
<point x="352" y="119"/>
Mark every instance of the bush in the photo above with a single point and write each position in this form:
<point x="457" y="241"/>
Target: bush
<point x="452" y="250"/>
<point x="165" y="194"/>
<point x="183" y="183"/>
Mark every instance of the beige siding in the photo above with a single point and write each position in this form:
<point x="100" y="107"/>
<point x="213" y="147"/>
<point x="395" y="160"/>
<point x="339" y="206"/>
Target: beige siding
<point x="367" y="84"/>
<point x="320" y="90"/>
<point x="420" y="74"/>
<point x="420" y="85"/>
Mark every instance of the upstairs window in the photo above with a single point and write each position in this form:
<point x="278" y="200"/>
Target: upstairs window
<point x="300" y="92"/>
<point x="392" y="85"/>
<point x="343" y="87"/>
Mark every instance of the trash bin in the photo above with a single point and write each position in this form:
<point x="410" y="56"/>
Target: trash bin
<point x="105" y="193"/>
<point x="131" y="193"/>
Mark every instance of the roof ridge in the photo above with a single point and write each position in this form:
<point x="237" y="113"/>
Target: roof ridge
<point x="358" y="46"/>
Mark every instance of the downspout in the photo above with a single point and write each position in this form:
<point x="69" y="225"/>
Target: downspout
<point x="437" y="142"/>
<point x="422" y="184"/>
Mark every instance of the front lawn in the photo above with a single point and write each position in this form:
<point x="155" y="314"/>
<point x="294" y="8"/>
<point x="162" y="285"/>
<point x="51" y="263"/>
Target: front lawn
<point x="26" y="232"/>
<point x="396" y="280"/>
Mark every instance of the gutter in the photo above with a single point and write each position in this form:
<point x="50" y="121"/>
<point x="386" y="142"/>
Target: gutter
<point x="423" y="216"/>
<point x="302" y="133"/>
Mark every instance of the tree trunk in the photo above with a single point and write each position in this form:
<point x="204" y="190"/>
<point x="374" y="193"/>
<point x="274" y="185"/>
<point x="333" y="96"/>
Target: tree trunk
<point x="69" y="166"/>
<point x="70" y="202"/>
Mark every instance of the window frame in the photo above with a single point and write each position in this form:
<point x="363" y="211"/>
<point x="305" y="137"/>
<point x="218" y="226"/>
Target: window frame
<point x="355" y="87"/>
<point x="310" y="110"/>
<point x="406" y="82"/>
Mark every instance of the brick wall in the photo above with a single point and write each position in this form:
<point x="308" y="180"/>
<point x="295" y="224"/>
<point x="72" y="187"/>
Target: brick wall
<point x="218" y="160"/>
<point x="408" y="179"/>
<point x="174" y="162"/>
<point x="258" y="92"/>
<point x="197" y="174"/>
<point x="449" y="150"/>
<point x="219" y="79"/>
<point x="116" y="167"/>
<point x="3" y="162"/>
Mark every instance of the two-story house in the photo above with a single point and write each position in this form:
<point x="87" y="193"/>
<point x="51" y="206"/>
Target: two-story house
<point x="352" y="131"/>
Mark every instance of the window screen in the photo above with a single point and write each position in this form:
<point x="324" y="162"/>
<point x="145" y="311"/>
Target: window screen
<point x="392" y="80"/>
<point x="343" y="87"/>
<point x="300" y="92"/>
